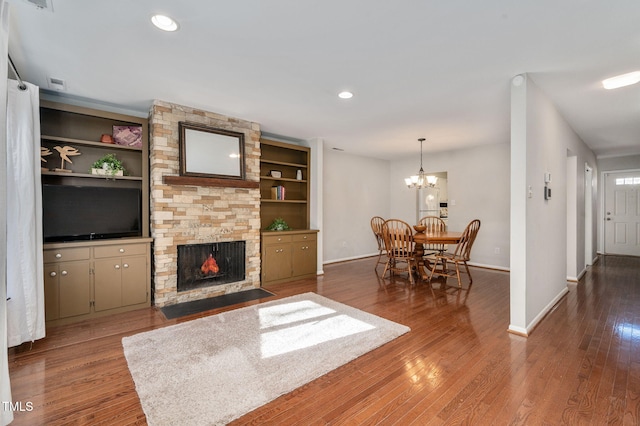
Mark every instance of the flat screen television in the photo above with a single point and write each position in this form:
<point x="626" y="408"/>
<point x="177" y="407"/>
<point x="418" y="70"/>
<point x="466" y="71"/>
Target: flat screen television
<point x="73" y="213"/>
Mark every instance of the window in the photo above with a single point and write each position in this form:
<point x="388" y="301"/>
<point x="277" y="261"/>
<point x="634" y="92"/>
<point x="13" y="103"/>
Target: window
<point x="628" y="181"/>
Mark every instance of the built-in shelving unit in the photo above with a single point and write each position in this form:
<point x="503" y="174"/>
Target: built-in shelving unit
<point x="289" y="160"/>
<point x="94" y="277"/>
<point x="90" y="176"/>
<point x="286" y="255"/>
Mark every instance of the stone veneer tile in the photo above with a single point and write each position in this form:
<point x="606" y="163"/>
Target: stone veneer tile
<point x="187" y="214"/>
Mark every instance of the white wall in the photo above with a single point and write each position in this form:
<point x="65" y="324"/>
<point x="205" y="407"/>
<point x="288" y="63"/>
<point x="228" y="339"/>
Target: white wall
<point x="317" y="182"/>
<point x="354" y="190"/>
<point x="572" y="214"/>
<point x="540" y="140"/>
<point x="478" y="184"/>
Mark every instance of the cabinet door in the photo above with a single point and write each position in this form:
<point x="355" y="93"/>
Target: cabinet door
<point x="134" y="280"/>
<point x="74" y="288"/>
<point x="276" y="262"/>
<point x="108" y="284"/>
<point x="51" y="292"/>
<point x="304" y="258"/>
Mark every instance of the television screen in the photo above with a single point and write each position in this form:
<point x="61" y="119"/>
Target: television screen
<point x="71" y="213"/>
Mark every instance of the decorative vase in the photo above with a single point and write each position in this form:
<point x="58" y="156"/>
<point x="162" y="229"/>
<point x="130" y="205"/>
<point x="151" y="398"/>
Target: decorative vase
<point x="106" y="138"/>
<point x="106" y="172"/>
<point x="299" y="174"/>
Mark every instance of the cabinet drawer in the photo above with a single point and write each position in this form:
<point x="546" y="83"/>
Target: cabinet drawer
<point x="304" y="237"/>
<point x="64" y="254"/>
<point x="119" y="250"/>
<point x="276" y="239"/>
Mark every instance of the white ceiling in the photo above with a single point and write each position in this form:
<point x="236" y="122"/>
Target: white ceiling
<point x="423" y="68"/>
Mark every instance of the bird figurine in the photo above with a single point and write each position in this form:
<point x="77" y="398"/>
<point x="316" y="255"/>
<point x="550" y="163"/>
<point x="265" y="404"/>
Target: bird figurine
<point x="44" y="152"/>
<point x="65" y="153"/>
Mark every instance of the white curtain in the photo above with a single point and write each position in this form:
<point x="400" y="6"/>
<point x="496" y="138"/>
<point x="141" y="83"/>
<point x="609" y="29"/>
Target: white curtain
<point x="6" y="416"/>
<point x="25" y="279"/>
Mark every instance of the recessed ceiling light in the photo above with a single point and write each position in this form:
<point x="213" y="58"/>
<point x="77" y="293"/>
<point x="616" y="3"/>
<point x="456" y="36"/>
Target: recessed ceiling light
<point x="345" y="95"/>
<point x="621" y="80"/>
<point x="164" y="22"/>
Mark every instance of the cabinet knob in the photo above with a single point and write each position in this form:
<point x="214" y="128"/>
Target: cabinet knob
<point x="117" y="266"/>
<point x="304" y="238"/>
<point x="53" y="274"/>
<point x="63" y="273"/>
<point x="279" y="239"/>
<point x="121" y="250"/>
<point x="58" y="255"/>
<point x="126" y="265"/>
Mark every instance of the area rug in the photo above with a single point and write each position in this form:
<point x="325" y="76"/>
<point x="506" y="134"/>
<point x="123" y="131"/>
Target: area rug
<point x="212" y="370"/>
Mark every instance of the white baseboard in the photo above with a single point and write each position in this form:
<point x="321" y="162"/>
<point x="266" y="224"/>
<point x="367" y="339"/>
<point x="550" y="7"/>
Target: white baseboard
<point x="483" y="265"/>
<point x="525" y="332"/>
<point x="345" y="259"/>
<point x="518" y="330"/>
<point x="580" y="275"/>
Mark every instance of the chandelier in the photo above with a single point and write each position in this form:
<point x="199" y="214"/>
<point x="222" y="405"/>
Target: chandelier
<point x="421" y="180"/>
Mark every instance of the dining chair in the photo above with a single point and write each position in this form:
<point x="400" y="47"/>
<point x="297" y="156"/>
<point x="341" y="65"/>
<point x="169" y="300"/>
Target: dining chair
<point x="398" y="240"/>
<point x="460" y="256"/>
<point x="433" y="224"/>
<point x="376" y="227"/>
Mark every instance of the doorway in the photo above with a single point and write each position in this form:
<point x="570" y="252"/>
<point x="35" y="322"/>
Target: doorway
<point x="433" y="200"/>
<point x="588" y="215"/>
<point x="622" y="213"/>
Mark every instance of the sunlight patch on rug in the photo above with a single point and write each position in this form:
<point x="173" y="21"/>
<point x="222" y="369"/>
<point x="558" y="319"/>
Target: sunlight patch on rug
<point x="271" y="316"/>
<point x="310" y="334"/>
<point x="215" y="369"/>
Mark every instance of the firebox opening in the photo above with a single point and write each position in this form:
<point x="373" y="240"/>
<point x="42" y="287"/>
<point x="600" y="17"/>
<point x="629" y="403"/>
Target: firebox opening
<point x="210" y="264"/>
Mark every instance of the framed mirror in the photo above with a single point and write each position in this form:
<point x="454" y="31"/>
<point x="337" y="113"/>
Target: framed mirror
<point x="209" y="152"/>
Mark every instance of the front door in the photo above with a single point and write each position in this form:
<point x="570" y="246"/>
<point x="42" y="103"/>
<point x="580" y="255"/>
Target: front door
<point x="622" y="213"/>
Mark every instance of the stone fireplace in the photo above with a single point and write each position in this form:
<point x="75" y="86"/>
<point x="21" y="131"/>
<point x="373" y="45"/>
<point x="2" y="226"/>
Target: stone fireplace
<point x="190" y="214"/>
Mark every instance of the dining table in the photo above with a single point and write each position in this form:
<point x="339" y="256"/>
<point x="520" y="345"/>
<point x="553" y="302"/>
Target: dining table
<point x="420" y="238"/>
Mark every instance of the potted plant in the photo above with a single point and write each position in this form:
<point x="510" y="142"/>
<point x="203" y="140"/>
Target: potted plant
<point x="108" y="165"/>
<point x="278" y="224"/>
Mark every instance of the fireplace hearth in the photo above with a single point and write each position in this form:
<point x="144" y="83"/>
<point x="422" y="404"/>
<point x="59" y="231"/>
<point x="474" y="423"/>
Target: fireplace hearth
<point x="210" y="264"/>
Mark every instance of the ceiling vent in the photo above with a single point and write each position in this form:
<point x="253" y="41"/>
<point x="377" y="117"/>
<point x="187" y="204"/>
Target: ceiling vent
<point x="56" y="84"/>
<point x="41" y="4"/>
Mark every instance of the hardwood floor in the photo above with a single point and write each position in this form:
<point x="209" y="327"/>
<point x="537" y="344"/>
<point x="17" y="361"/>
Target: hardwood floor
<point x="458" y="365"/>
